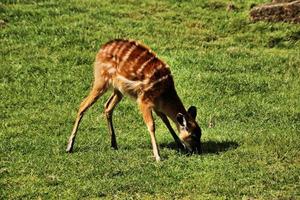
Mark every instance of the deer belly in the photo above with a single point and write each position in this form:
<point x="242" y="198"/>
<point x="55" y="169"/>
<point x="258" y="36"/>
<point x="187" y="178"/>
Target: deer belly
<point x="126" y="86"/>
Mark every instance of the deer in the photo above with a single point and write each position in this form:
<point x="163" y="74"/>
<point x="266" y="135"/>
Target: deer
<point x="131" y="68"/>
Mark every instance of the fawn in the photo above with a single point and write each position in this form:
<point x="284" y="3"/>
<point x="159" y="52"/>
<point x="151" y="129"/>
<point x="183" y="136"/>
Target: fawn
<point x="132" y="69"/>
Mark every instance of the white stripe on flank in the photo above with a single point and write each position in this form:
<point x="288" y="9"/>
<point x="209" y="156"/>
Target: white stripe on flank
<point x="157" y="81"/>
<point x="158" y="67"/>
<point x="121" y="49"/>
<point x="117" y="49"/>
<point x="138" y="58"/>
<point x="144" y="65"/>
<point x="126" y="56"/>
<point x="111" y="47"/>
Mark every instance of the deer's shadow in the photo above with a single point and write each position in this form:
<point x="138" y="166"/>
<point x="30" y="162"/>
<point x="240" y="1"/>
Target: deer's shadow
<point x="208" y="147"/>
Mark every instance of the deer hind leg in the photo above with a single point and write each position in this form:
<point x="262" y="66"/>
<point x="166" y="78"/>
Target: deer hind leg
<point x="112" y="102"/>
<point x="148" y="119"/>
<point x="164" y="118"/>
<point x="99" y="87"/>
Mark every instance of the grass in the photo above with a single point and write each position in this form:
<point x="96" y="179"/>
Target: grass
<point x="244" y="75"/>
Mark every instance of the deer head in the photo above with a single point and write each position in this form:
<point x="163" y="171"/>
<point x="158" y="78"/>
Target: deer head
<point x="190" y="132"/>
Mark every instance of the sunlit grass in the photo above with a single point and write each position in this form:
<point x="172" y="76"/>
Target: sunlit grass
<point x="242" y="75"/>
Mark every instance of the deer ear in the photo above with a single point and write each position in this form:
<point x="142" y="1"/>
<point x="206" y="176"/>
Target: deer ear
<point x="193" y="111"/>
<point x="181" y="119"/>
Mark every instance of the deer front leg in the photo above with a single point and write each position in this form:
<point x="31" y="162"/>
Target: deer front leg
<point x="148" y="119"/>
<point x="112" y="102"/>
<point x="164" y="118"/>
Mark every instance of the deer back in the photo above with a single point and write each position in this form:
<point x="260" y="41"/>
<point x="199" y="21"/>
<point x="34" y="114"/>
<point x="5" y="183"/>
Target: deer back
<point x="134" y="69"/>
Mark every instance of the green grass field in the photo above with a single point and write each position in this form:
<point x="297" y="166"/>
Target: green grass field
<point x="243" y="75"/>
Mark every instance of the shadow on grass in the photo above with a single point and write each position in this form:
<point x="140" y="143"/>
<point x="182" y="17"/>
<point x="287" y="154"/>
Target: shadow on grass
<point x="208" y="147"/>
<point x="216" y="147"/>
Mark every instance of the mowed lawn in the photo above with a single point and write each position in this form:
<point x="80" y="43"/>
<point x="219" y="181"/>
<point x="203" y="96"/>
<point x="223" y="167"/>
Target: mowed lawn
<point x="243" y="77"/>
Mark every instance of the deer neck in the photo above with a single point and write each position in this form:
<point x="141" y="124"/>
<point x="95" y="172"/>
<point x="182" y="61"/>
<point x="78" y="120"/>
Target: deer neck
<point x="172" y="105"/>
